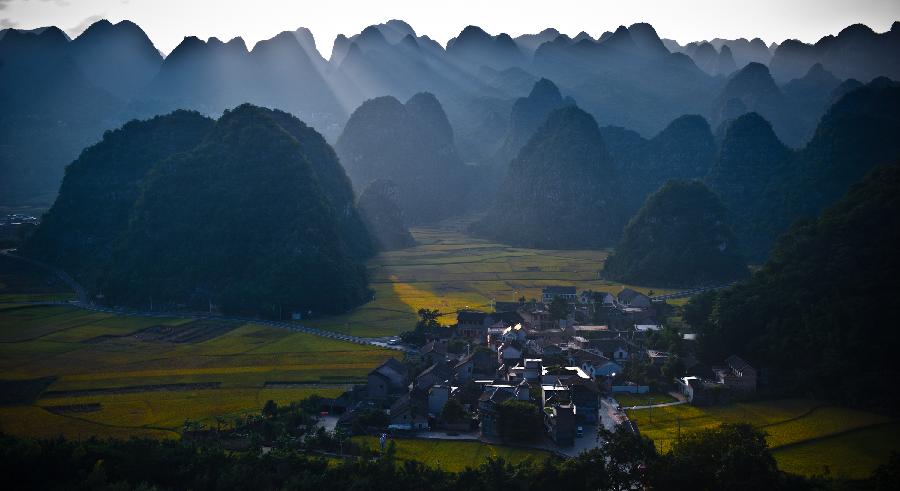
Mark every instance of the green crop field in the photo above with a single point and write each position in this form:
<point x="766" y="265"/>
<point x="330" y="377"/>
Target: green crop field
<point x="78" y="373"/>
<point x="805" y="436"/>
<point x="454" y="455"/>
<point x="627" y="400"/>
<point x="449" y="270"/>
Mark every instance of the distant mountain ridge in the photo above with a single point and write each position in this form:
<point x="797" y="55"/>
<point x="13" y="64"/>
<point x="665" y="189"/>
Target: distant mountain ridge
<point x="855" y="52"/>
<point x="767" y="186"/>
<point x="68" y="91"/>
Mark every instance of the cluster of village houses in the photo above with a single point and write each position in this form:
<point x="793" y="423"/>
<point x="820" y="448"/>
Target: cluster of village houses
<point x="562" y="366"/>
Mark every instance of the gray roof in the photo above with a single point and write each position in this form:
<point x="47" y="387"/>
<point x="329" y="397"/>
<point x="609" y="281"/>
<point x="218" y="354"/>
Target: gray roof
<point x="627" y="295"/>
<point x="737" y="363"/>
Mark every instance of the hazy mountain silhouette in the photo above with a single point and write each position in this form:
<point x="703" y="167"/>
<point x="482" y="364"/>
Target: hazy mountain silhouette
<point x="561" y="191"/>
<point x="58" y="95"/>
<point x="811" y="95"/>
<point x="856" y="52"/>
<point x="529" y="43"/>
<point x="118" y="58"/>
<point x="753" y="89"/>
<point x="474" y="48"/>
<point x="528" y="113"/>
<point x="380" y="207"/>
<point x="626" y="78"/>
<point x="411" y="144"/>
<point x="49" y="111"/>
<point x="685" y="149"/>
<point x="742" y="50"/>
<point x="760" y="180"/>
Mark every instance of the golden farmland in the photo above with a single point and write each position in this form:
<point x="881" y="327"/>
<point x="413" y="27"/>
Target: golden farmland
<point x="805" y="436"/>
<point x="96" y="360"/>
<point x="449" y="270"/>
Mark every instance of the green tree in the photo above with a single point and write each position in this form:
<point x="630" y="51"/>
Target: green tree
<point x="559" y="308"/>
<point x="673" y="367"/>
<point x="453" y="412"/>
<point x="519" y="421"/>
<point x="427" y="323"/>
<point x="732" y="456"/>
<point x="270" y="409"/>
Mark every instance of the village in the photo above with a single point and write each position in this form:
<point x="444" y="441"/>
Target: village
<point x="544" y="373"/>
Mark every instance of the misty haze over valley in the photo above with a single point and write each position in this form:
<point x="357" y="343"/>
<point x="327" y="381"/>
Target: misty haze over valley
<point x="602" y="261"/>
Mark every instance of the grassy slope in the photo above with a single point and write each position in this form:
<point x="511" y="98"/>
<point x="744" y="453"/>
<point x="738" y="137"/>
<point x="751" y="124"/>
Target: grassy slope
<point x="805" y="436"/>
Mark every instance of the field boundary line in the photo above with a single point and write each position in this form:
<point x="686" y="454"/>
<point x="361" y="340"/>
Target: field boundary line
<point x="833" y="435"/>
<point x="108" y="425"/>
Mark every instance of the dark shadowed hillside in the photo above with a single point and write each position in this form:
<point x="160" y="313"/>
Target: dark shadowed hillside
<point x="561" y="191"/>
<point x="253" y="218"/>
<point x="767" y="187"/>
<point x="680" y="238"/>
<point x="100" y="188"/>
<point x="751" y="162"/>
<point x="813" y="314"/>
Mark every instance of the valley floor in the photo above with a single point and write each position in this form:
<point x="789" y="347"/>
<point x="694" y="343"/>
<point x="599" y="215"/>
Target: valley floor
<point x="449" y="270"/>
<point x="81" y="373"/>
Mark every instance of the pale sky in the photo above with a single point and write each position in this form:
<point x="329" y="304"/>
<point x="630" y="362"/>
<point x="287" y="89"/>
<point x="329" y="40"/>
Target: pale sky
<point x="167" y="22"/>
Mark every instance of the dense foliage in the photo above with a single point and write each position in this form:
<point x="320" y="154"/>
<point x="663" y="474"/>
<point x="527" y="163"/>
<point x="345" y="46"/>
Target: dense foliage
<point x="814" y="316"/>
<point x="729" y="457"/>
<point x="100" y="188"/>
<point x="562" y="190"/>
<point x="257" y="219"/>
<point x="519" y="421"/>
<point x="680" y="238"/>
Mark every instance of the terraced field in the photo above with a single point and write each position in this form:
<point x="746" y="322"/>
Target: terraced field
<point x="79" y="373"/>
<point x="449" y="270"/>
<point x="805" y="436"/>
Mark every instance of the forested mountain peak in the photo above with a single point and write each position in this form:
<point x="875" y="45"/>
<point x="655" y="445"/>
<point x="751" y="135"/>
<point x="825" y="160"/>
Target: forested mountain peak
<point x="561" y="191"/>
<point x="810" y="315"/>
<point x="679" y="238"/>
